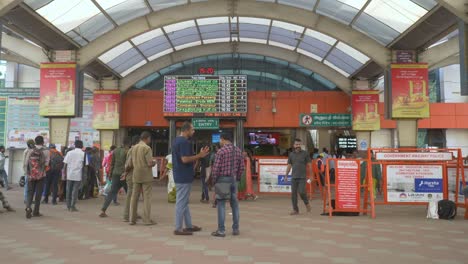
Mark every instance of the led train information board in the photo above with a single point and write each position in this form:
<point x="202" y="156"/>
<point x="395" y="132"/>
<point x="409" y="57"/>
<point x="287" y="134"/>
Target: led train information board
<point x="219" y="96"/>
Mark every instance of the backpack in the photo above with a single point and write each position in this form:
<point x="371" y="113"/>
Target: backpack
<point x="56" y="161"/>
<point x="446" y="209"/>
<point x="36" y="164"/>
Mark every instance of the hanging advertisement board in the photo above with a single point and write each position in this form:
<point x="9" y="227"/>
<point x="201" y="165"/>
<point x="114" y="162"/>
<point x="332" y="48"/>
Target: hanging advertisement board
<point x="410" y="90"/>
<point x="365" y="105"/>
<point x="58" y="90"/>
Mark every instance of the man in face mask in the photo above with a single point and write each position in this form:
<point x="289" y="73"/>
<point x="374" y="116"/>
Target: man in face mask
<point x="298" y="161"/>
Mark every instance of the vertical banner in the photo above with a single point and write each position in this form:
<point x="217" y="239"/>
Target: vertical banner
<point x="410" y="90"/>
<point x="107" y="139"/>
<point x="106" y="109"/>
<point x="347" y="185"/>
<point x="58" y="89"/>
<point x="365" y="106"/>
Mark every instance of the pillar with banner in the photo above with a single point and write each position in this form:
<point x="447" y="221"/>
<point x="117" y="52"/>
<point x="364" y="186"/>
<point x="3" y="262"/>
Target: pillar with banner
<point x="408" y="95"/>
<point x="106" y="115"/>
<point x="60" y="98"/>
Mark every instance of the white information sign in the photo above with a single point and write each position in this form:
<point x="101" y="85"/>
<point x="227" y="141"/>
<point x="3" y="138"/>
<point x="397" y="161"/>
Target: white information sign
<point x="414" y="156"/>
<point x="272" y="179"/>
<point x="414" y="183"/>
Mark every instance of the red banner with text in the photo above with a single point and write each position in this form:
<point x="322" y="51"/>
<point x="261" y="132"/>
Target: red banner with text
<point x="347" y="196"/>
<point x="365" y="105"/>
<point x="410" y="90"/>
<point x="106" y="109"/>
<point x="58" y="89"/>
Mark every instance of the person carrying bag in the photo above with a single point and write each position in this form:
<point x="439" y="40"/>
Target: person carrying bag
<point x="226" y="172"/>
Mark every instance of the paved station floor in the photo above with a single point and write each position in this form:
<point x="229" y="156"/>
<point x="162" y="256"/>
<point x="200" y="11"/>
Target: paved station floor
<point x="399" y="234"/>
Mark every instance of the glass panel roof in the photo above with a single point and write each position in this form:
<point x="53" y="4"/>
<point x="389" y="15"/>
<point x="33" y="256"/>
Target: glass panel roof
<point x="337" y="10"/>
<point x="398" y="14"/>
<point x="305" y="4"/>
<point x="128" y="10"/>
<point x="382" y="20"/>
<point x="264" y="73"/>
<point x="68" y="14"/>
<point x="159" y="42"/>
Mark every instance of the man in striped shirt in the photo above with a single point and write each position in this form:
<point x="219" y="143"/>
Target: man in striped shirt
<point x="228" y="168"/>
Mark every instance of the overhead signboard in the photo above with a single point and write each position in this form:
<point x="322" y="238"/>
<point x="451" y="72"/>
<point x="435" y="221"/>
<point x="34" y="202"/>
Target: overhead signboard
<point x="205" y="123"/>
<point x="325" y="120"/>
<point x="430" y="156"/>
<point x="216" y="96"/>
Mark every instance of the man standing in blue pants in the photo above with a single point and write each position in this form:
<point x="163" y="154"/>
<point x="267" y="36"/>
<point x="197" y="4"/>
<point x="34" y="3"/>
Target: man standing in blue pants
<point x="227" y="170"/>
<point x="183" y="168"/>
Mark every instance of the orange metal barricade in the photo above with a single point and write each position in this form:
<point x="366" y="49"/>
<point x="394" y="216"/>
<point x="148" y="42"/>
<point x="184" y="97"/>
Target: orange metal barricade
<point x="429" y="157"/>
<point x="349" y="174"/>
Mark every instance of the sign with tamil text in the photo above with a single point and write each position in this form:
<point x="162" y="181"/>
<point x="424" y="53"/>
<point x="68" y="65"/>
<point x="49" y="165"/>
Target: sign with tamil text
<point x="325" y="120"/>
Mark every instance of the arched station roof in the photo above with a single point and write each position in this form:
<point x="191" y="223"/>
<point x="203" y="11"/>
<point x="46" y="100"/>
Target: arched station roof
<point x="127" y="35"/>
<point x="264" y="73"/>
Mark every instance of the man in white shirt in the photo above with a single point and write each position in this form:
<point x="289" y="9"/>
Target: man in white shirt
<point x="73" y="168"/>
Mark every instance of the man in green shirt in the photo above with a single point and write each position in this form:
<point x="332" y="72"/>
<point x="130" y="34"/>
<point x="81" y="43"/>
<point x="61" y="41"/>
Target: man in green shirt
<point x="298" y="161"/>
<point x="119" y="156"/>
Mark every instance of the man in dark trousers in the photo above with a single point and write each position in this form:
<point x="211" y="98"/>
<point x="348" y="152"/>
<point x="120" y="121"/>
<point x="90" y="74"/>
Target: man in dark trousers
<point x="119" y="156"/>
<point x="298" y="161"/>
<point x="228" y="168"/>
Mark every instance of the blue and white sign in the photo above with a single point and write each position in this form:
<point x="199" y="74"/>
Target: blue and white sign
<point x="428" y="185"/>
<point x="281" y="180"/>
<point x="363" y="144"/>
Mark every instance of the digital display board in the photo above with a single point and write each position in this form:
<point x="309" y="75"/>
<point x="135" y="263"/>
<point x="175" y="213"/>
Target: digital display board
<point x="221" y="96"/>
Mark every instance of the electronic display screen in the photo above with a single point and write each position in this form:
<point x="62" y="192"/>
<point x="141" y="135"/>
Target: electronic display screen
<point x="220" y="96"/>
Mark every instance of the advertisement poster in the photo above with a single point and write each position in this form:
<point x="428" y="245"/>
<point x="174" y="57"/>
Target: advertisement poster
<point x="452" y="186"/>
<point x="17" y="138"/>
<point x="365" y="105"/>
<point x="106" y="109"/>
<point x="272" y="178"/>
<point x="347" y="176"/>
<point x="58" y="89"/>
<point x="410" y="90"/>
<point x="414" y="183"/>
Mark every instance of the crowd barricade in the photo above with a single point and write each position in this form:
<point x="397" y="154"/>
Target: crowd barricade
<point x="271" y="172"/>
<point x="345" y="191"/>
<point x="414" y="176"/>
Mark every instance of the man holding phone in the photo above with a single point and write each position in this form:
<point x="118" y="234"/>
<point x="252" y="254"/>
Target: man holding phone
<point x="183" y="168"/>
<point x="298" y="161"/>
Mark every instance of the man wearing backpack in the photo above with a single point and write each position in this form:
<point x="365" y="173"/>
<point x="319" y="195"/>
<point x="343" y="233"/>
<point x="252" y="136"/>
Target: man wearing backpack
<point x="53" y="174"/>
<point x="37" y="161"/>
<point x="74" y="164"/>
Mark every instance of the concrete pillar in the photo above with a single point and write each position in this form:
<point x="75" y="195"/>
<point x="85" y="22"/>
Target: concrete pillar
<point x="407" y="133"/>
<point x="463" y="39"/>
<point x="172" y="133"/>
<point x="106" y="139"/>
<point x="363" y="140"/>
<point x="240" y="133"/>
<point x="324" y="138"/>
